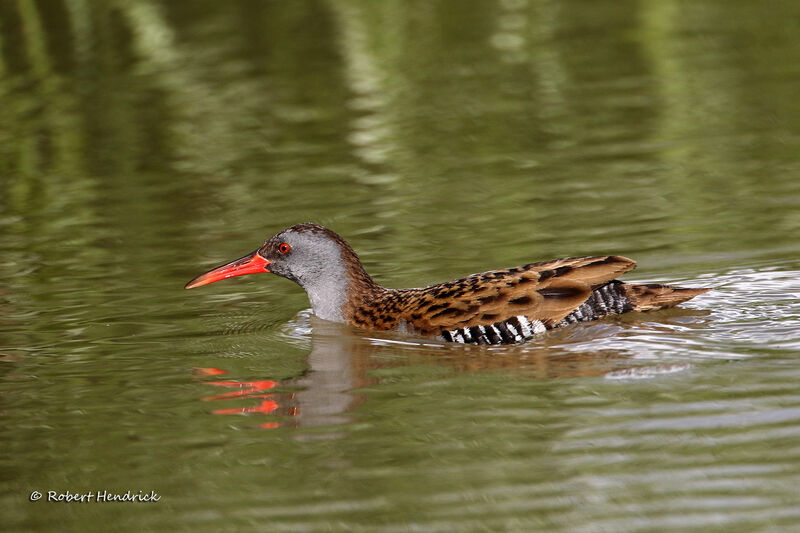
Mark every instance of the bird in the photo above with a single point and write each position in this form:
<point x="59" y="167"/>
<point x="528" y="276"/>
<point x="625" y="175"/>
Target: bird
<point x="505" y="306"/>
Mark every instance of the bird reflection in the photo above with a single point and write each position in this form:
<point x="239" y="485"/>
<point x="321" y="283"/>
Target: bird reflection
<point x="337" y="364"/>
<point x="343" y="360"/>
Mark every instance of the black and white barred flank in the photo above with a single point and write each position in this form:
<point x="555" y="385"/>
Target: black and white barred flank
<point x="605" y="300"/>
<point x="515" y="329"/>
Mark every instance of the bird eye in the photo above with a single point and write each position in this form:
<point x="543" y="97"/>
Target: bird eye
<point x="284" y="248"/>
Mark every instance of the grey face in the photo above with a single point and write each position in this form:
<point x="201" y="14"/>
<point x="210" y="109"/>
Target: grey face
<point x="302" y="257"/>
<point x="314" y="261"/>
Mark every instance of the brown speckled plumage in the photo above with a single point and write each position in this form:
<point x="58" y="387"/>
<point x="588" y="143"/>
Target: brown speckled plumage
<point x="546" y="291"/>
<point x="549" y="294"/>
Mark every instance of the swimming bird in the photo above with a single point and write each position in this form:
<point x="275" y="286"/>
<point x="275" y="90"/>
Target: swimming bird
<point x="497" y="307"/>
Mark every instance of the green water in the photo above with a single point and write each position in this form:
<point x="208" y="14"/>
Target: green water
<point x="142" y="142"/>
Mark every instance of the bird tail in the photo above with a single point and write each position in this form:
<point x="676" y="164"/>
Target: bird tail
<point x="653" y="296"/>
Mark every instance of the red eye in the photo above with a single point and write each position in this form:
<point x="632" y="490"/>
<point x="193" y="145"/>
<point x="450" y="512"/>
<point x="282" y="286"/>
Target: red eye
<point x="284" y="248"/>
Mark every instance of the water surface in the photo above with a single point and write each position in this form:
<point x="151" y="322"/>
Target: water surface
<point x="142" y="142"/>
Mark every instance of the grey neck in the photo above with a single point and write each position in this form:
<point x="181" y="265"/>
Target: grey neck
<point x="327" y="294"/>
<point x="326" y="283"/>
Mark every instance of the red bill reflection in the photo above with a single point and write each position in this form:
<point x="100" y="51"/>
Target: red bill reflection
<point x="270" y="404"/>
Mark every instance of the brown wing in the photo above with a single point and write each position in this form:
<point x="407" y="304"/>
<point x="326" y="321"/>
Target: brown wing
<point x="546" y="291"/>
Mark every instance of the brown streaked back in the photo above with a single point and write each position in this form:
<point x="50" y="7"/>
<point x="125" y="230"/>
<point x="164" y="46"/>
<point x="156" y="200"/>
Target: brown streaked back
<point x="546" y="291"/>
